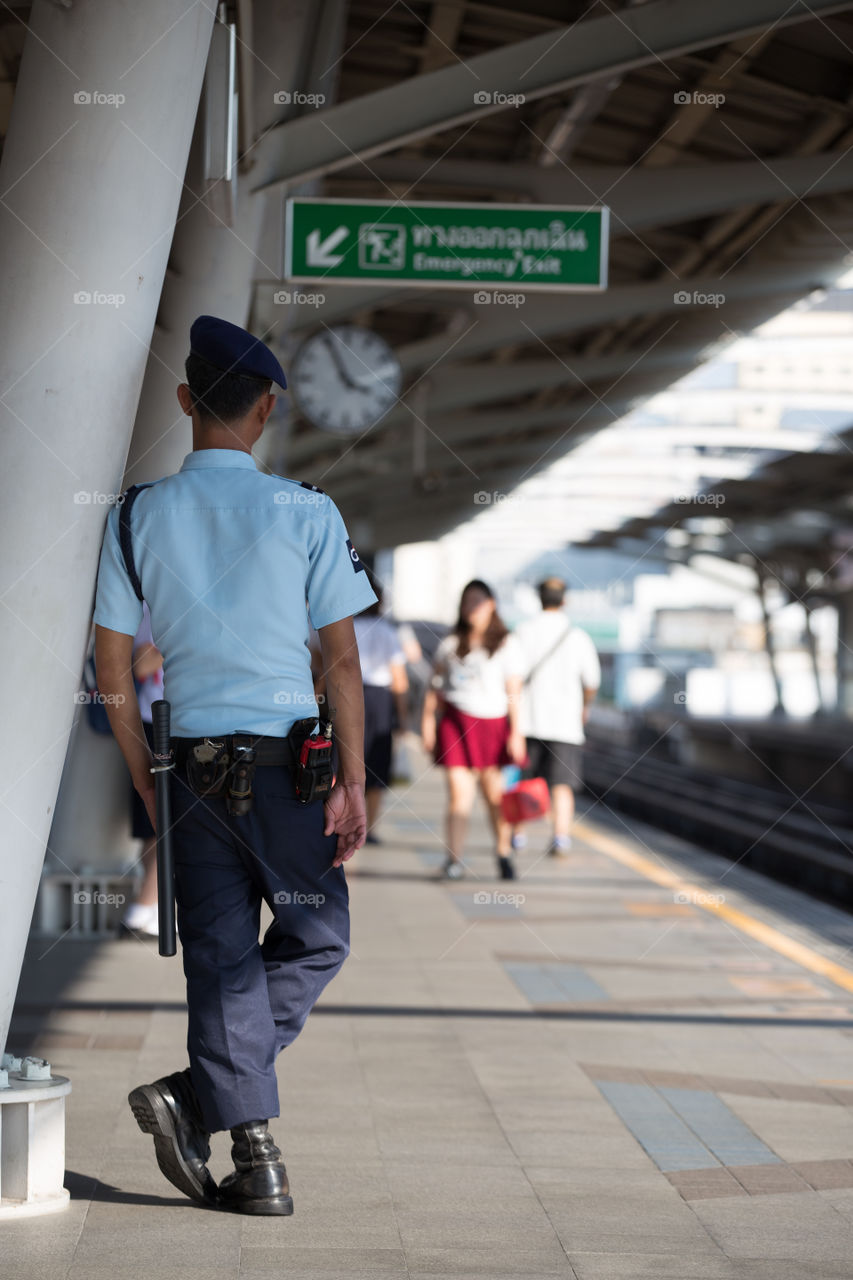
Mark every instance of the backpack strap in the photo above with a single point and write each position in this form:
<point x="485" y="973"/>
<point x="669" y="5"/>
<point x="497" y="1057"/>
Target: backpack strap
<point x="124" y="535"/>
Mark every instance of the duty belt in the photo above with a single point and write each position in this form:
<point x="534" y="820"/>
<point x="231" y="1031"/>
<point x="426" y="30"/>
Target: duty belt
<point x="267" y="750"/>
<point x="228" y="763"/>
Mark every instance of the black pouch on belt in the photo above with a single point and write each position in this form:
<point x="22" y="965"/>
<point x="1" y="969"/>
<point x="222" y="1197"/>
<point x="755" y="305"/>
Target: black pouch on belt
<point x="207" y="767"/>
<point x="239" y="797"/>
<point x="313" y="775"/>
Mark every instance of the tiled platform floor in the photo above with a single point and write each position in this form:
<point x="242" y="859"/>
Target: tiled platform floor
<point x="578" y="1074"/>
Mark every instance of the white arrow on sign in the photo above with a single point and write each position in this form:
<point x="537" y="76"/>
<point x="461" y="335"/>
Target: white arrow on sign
<point x="319" y="252"/>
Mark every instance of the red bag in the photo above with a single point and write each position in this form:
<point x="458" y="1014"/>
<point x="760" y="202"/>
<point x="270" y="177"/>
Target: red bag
<point x="526" y="801"/>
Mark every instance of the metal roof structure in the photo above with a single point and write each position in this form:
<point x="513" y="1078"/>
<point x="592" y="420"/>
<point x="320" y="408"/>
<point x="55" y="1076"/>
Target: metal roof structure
<point x="793" y="519"/>
<point x="718" y="135"/>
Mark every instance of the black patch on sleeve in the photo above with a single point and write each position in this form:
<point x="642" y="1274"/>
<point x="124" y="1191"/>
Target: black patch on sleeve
<point x="315" y="488"/>
<point x="353" y="555"/>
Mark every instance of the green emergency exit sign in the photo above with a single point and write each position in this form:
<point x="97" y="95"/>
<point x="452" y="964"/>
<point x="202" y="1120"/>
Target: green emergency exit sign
<point x="463" y="245"/>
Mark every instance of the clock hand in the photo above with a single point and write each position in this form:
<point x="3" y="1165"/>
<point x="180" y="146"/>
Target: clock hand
<point x="337" y="361"/>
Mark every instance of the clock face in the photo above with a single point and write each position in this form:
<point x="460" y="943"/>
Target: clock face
<point x="344" y="379"/>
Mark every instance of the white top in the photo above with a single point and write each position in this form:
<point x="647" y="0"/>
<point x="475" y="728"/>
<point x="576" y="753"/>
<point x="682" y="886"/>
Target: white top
<point x="552" y="701"/>
<point x="476" y="684"/>
<point x="378" y="648"/>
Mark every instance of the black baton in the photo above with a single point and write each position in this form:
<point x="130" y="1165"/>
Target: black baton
<point x="162" y="767"/>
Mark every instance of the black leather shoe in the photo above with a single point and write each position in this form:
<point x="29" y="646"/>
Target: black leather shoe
<point x="259" y="1181"/>
<point x="168" y="1109"/>
<point x="506" y="870"/>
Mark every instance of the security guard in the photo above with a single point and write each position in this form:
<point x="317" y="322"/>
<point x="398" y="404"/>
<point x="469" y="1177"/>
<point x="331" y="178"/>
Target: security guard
<point x="232" y="563"/>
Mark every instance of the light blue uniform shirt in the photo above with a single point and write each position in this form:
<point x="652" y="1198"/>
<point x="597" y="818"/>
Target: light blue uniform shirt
<point x="231" y="562"/>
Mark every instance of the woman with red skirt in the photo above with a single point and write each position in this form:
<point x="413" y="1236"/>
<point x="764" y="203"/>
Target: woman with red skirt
<point x="470" y="720"/>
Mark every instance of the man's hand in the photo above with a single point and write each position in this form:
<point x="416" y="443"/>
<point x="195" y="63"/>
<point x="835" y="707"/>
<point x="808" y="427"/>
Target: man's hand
<point x="344" y="809"/>
<point x="346" y="817"/>
<point x="517" y="747"/>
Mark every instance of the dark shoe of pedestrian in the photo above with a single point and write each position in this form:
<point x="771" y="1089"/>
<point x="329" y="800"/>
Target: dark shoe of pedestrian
<point x="506" y="870"/>
<point x="168" y="1109"/>
<point x="259" y="1181"/>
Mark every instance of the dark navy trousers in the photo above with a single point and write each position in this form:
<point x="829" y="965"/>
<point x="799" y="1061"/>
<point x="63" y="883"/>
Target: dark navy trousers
<point x="247" y="998"/>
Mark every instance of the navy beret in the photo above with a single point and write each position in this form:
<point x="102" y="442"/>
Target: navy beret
<point x="234" y="350"/>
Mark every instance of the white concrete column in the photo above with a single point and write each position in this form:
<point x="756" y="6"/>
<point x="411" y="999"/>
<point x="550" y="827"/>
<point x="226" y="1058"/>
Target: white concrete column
<point x="211" y="269"/>
<point x="89" y="188"/>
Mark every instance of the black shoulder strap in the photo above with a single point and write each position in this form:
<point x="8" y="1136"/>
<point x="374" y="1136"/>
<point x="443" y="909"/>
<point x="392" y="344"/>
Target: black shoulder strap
<point x="124" y="535"/>
<point x="548" y="654"/>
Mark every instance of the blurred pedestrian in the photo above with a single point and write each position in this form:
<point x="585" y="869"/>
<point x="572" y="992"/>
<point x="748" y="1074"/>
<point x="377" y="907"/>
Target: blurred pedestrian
<point x="386" y="688"/>
<point x="140" y="918"/>
<point x="471" y="719"/>
<point x="562" y="678"/>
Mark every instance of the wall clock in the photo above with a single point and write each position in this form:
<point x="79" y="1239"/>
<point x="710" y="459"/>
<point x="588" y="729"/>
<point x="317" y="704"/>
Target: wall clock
<point x="345" y="379"/>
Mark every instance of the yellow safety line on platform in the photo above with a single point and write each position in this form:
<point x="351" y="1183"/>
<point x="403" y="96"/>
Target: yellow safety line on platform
<point x="704" y="898"/>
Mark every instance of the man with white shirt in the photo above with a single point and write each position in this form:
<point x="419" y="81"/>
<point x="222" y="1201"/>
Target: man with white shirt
<point x="563" y="676"/>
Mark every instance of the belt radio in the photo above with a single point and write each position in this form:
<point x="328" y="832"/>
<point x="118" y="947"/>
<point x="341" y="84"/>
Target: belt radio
<point x="314" y="774"/>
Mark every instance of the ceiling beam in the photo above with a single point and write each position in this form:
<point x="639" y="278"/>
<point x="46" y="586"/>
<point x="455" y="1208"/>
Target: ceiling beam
<point x="546" y="315"/>
<point x="442" y="32"/>
<point x="425" y="105"/>
<point x="637" y="198"/>
<point x="466" y="386"/>
<point x="477" y="450"/>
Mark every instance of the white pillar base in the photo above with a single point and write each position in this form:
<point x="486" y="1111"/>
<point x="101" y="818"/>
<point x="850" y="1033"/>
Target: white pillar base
<point x="32" y="1208"/>
<point x="32" y="1146"/>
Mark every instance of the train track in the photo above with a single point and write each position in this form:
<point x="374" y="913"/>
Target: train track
<point x="771" y="830"/>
